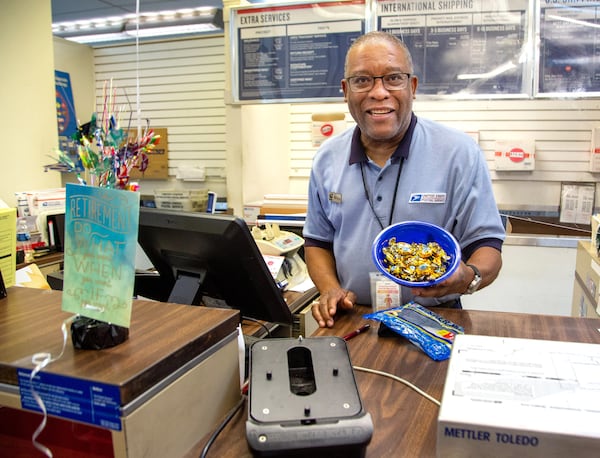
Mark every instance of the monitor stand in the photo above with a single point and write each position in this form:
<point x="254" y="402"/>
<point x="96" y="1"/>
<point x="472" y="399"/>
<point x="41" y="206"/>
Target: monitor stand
<point x="187" y="288"/>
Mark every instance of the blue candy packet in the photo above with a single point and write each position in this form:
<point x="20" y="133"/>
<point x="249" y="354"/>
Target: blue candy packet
<point x="427" y="330"/>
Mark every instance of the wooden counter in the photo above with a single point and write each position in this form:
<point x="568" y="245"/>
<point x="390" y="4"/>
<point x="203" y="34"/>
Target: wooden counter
<point x="179" y="364"/>
<point x="405" y="422"/>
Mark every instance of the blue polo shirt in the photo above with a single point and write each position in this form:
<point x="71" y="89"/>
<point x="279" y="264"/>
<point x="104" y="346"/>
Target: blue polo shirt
<point x="441" y="176"/>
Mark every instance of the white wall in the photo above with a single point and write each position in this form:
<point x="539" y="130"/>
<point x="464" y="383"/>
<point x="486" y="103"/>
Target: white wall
<point x="28" y="126"/>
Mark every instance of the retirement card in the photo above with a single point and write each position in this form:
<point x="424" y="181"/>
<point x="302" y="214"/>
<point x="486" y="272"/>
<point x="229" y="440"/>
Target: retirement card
<point x="101" y="227"/>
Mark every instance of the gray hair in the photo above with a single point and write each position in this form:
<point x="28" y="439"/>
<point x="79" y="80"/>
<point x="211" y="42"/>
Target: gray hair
<point x="378" y="36"/>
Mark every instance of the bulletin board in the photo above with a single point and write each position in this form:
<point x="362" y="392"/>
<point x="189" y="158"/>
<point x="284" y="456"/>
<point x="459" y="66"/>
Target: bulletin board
<point x="293" y="51"/>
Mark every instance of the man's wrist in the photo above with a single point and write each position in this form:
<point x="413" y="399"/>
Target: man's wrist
<point x="476" y="282"/>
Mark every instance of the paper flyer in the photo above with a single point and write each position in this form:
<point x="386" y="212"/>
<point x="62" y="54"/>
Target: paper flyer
<point x="8" y="244"/>
<point x="101" y="228"/>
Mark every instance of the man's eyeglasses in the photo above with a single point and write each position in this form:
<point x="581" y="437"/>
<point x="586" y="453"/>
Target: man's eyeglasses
<point x="392" y="82"/>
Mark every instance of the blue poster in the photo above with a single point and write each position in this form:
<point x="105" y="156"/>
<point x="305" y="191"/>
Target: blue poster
<point x="101" y="227"/>
<point x="65" y="111"/>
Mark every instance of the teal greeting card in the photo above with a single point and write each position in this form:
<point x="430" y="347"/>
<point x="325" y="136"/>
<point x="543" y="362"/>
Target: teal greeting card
<point x="101" y="227"/>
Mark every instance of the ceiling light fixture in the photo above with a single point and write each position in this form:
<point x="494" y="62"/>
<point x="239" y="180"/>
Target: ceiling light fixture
<point x="162" y="24"/>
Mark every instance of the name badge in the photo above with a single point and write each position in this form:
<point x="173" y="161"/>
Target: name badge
<point x="335" y="197"/>
<point x="428" y="198"/>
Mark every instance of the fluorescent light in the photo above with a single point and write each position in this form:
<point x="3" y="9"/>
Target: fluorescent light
<point x="99" y="38"/>
<point x="161" y="24"/>
<point x="171" y="30"/>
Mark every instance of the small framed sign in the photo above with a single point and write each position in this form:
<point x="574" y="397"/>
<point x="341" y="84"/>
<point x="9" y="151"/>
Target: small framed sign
<point x="577" y="202"/>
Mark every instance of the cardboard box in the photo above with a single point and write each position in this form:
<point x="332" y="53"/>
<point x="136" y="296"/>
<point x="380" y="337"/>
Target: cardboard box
<point x="583" y="306"/>
<point x="43" y="200"/>
<point x="251" y="211"/>
<point x="158" y="158"/>
<point x="520" y="397"/>
<point x="190" y="201"/>
<point x="595" y="224"/>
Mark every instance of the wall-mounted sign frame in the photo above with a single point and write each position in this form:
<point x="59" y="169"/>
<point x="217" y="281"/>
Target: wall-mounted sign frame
<point x="568" y="58"/>
<point x="577" y="202"/>
<point x="466" y="49"/>
<point x="293" y="52"/>
<point x="461" y="49"/>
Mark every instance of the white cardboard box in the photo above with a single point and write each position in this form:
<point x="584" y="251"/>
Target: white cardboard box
<point x="515" y="155"/>
<point x="520" y="398"/>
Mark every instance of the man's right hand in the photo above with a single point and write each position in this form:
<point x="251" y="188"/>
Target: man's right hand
<point x="327" y="305"/>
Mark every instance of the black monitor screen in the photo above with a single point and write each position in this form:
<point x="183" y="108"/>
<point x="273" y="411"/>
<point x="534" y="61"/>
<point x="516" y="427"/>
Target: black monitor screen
<point x="211" y="260"/>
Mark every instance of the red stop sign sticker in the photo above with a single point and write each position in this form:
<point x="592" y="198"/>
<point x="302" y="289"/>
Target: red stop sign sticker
<point x="516" y="155"/>
<point x="326" y="130"/>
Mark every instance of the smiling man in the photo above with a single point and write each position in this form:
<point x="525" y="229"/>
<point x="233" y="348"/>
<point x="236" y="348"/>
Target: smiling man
<point x="394" y="167"/>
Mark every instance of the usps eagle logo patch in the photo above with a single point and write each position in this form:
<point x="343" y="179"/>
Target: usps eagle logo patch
<point x="427" y="198"/>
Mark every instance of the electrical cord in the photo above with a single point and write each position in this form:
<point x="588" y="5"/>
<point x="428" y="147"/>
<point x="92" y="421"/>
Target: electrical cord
<point x="260" y="323"/>
<point x="398" y="379"/>
<point x="221" y="426"/>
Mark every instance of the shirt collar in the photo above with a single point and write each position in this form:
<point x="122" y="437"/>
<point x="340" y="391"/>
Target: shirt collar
<point x="357" y="150"/>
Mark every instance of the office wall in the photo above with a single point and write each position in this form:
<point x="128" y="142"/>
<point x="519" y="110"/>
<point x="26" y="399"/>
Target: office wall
<point x="28" y="129"/>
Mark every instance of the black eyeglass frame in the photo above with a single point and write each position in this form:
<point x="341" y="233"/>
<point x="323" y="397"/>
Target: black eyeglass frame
<point x="383" y="81"/>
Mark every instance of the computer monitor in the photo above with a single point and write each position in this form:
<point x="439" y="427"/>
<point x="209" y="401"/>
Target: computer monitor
<point x="211" y="260"/>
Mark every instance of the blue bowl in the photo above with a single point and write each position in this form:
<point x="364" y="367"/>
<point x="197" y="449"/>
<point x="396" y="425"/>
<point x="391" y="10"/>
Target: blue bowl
<point x="416" y="232"/>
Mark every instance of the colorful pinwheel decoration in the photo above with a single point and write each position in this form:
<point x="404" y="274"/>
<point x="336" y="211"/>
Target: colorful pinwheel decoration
<point x="105" y="151"/>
